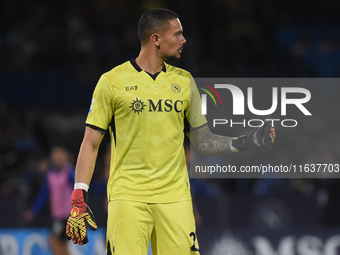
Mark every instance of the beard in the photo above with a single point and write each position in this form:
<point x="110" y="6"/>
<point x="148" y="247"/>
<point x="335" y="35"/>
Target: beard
<point x="172" y="59"/>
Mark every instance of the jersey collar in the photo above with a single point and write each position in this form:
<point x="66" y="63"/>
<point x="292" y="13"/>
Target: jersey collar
<point x="138" y="69"/>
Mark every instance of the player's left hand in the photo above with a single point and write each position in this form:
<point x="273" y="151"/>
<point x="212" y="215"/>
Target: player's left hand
<point x="260" y="139"/>
<point x="80" y="214"/>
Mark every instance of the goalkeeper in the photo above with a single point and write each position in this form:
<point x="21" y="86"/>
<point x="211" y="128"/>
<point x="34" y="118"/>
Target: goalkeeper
<point x="143" y="103"/>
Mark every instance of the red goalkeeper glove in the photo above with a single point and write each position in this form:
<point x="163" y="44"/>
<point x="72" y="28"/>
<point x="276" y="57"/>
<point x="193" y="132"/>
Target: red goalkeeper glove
<point x="260" y="139"/>
<point x="80" y="212"/>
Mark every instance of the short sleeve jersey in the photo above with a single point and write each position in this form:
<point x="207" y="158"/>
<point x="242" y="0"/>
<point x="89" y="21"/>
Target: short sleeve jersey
<point x="145" y="116"/>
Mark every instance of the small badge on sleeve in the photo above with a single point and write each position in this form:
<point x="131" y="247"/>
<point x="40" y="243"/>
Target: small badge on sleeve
<point x="92" y="101"/>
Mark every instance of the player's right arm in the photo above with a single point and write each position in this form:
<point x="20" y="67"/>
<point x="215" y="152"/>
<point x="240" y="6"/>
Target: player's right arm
<point x="80" y="211"/>
<point x="97" y="122"/>
<point x="88" y="154"/>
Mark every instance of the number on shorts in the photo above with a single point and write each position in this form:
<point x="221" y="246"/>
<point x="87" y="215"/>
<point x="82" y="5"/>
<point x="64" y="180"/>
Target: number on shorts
<point x="193" y="247"/>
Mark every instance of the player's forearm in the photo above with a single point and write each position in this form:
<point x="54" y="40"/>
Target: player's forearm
<point x="207" y="143"/>
<point x="214" y="145"/>
<point x="85" y="163"/>
<point x="87" y="155"/>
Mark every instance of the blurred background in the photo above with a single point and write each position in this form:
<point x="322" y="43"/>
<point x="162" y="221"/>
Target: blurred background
<point x="53" y="52"/>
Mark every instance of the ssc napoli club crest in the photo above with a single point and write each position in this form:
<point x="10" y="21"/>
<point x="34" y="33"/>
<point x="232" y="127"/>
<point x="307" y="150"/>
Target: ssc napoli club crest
<point x="176" y="88"/>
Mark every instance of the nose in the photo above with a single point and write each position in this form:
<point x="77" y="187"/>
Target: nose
<point x="183" y="40"/>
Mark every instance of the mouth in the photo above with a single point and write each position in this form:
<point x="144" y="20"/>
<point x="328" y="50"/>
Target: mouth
<point x="180" y="50"/>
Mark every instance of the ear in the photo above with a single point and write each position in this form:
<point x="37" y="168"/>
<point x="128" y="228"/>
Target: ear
<point x="156" y="39"/>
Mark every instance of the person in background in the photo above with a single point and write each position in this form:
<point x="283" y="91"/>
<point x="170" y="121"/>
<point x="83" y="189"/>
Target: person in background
<point x="34" y="175"/>
<point x="57" y="188"/>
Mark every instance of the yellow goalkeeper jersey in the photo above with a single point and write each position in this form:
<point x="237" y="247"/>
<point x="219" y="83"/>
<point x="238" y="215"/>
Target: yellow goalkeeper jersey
<point x="145" y="115"/>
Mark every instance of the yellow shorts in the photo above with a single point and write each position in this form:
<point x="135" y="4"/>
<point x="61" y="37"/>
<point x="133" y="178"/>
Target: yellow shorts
<point x="170" y="227"/>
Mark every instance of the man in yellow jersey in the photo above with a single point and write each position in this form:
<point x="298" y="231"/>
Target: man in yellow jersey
<point x="143" y="103"/>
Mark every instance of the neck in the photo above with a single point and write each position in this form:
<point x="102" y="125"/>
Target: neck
<point x="149" y="62"/>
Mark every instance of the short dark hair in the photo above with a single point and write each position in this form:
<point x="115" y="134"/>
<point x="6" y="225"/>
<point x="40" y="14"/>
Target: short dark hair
<point x="154" y="20"/>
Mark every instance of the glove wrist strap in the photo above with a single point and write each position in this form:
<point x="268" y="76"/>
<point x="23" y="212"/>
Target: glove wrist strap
<point x="81" y="185"/>
<point x="240" y="143"/>
<point x="232" y="148"/>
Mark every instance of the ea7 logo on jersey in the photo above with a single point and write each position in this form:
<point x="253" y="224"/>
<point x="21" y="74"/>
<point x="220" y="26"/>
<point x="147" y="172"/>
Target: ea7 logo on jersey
<point x="162" y="105"/>
<point x="128" y="88"/>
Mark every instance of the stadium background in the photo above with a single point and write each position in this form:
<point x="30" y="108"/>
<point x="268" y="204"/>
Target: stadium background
<point x="53" y="52"/>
